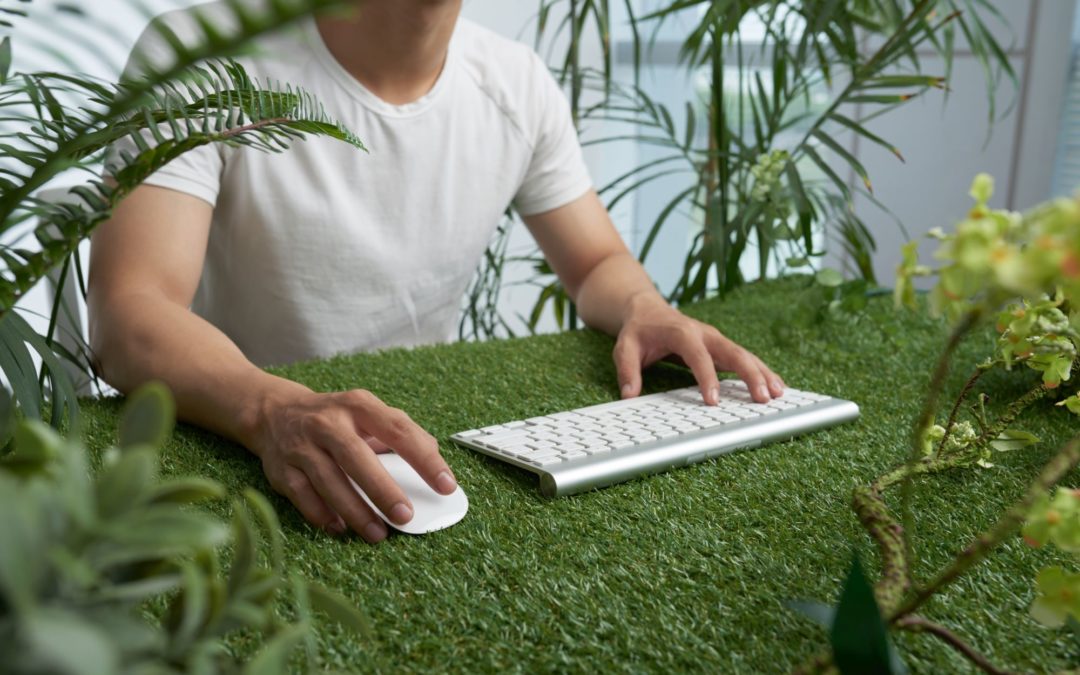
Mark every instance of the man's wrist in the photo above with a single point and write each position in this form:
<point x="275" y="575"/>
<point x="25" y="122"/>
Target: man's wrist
<point x="268" y="393"/>
<point x="643" y="302"/>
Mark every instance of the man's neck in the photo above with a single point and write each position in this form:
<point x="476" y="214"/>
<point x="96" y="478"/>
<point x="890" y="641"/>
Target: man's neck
<point x="395" y="48"/>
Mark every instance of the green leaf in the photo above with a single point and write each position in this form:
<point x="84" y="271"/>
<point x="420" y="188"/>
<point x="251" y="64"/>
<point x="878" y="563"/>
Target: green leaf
<point x="274" y="657"/>
<point x="164" y="529"/>
<point x="23" y="545"/>
<point x="122" y="485"/>
<point x="245" y="549"/>
<point x="846" y="155"/>
<point x="340" y="610"/>
<point x="866" y="133"/>
<point x="1013" y="439"/>
<point x="880" y="99"/>
<point x="819" y="612"/>
<point x="71" y="644"/>
<point x="5" y="59"/>
<point x="829" y="278"/>
<point x="7" y="418"/>
<point x="35" y="445"/>
<point x="148" y="417"/>
<point x="859" y="639"/>
<point x="1072" y="404"/>
<point x="265" y="512"/>
<point x="64" y="399"/>
<point x="185" y="491"/>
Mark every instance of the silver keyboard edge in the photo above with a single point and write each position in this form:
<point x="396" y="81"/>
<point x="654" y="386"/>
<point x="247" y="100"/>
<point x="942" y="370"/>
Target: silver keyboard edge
<point x="584" y="474"/>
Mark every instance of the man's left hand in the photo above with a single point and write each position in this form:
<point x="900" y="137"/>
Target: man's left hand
<point x="653" y="330"/>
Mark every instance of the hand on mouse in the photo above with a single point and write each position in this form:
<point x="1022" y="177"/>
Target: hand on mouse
<point x="653" y="330"/>
<point x="310" y="445"/>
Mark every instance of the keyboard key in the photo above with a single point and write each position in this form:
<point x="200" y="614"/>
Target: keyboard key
<point x="518" y="450"/>
<point x="540" y="454"/>
<point x="780" y="405"/>
<point x="505" y="436"/>
<point x="547" y="461"/>
<point x="469" y="434"/>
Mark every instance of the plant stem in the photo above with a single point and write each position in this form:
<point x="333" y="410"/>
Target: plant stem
<point x="937" y="383"/>
<point x="918" y="624"/>
<point x="1014" y="410"/>
<point x="956" y="407"/>
<point x="1054" y="471"/>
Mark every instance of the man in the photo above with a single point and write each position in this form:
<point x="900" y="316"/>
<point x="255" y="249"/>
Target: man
<point x="324" y="250"/>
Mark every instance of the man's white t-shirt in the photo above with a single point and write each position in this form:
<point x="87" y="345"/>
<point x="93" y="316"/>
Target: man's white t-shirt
<point x="325" y="249"/>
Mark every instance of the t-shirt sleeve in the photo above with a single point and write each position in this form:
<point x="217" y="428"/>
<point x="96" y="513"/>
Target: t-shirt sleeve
<point x="557" y="174"/>
<point x="197" y="172"/>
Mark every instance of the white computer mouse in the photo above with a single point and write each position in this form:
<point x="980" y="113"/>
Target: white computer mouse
<point x="431" y="510"/>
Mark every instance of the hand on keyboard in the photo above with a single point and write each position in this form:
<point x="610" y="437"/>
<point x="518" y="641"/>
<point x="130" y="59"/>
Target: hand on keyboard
<point x="654" y="330"/>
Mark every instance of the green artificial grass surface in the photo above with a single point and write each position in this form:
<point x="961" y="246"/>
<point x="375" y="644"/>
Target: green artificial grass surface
<point x="686" y="570"/>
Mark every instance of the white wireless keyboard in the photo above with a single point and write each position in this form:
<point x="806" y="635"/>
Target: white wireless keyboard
<point x="612" y="442"/>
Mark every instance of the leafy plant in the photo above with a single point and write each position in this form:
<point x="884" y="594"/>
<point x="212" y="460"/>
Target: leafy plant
<point x="82" y="559"/>
<point x="758" y="161"/>
<point x="1056" y="519"/>
<point x="54" y="123"/>
<point x="1021" y="272"/>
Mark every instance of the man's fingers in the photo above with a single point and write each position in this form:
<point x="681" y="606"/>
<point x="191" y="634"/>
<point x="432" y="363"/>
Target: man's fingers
<point x="358" y="460"/>
<point x="729" y="356"/>
<point x="627" y="356"/>
<point x="297" y="488"/>
<point x="333" y="486"/>
<point x="394" y="428"/>
<point x="773" y="381"/>
<point x="700" y="361"/>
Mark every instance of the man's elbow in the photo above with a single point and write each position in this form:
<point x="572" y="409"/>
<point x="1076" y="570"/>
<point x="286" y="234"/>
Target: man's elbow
<point x="113" y="337"/>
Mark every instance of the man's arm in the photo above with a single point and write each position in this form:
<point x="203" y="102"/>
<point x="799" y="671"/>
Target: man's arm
<point x="144" y="269"/>
<point x="614" y="294"/>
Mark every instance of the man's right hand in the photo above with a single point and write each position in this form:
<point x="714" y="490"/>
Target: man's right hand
<point x="311" y="444"/>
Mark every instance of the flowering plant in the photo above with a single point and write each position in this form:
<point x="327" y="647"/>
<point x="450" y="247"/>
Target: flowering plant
<point x="1022" y="271"/>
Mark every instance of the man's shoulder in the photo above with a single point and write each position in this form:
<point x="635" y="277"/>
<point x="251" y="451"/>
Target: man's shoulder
<point x="509" y="72"/>
<point x="488" y="50"/>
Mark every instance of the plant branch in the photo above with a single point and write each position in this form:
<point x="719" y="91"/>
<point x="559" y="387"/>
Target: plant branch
<point x="937" y="383"/>
<point x="956" y="407"/>
<point x="1054" y="471"/>
<point x="1013" y="411"/>
<point x="918" y="624"/>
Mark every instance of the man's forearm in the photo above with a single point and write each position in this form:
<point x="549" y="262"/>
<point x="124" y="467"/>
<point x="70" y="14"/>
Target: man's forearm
<point x="604" y="299"/>
<point x="141" y="337"/>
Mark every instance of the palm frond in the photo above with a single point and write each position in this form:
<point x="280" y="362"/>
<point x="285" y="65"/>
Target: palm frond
<point x="52" y="123"/>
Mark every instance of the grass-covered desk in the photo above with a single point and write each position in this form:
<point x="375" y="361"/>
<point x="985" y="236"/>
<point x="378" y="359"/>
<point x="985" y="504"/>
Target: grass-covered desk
<point x="686" y="570"/>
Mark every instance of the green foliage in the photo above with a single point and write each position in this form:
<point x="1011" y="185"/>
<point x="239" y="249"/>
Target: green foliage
<point x="1056" y="520"/>
<point x="759" y="167"/>
<point x="1023" y="271"/>
<point x="81" y="558"/>
<point x="858" y="636"/>
<point x="56" y="122"/>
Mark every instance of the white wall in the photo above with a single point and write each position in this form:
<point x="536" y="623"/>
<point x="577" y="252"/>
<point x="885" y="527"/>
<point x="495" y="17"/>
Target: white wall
<point x="945" y="141"/>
